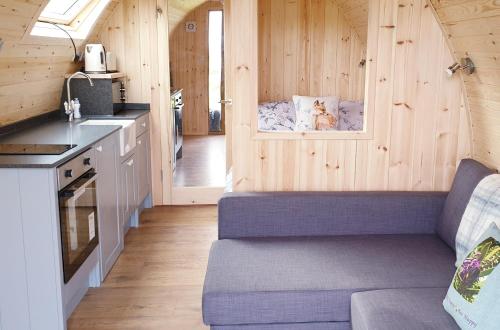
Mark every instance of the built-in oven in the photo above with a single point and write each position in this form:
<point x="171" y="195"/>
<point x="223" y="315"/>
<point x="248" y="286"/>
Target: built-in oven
<point x="77" y="212"/>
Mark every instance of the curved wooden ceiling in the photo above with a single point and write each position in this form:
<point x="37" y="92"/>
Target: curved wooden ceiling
<point x="473" y="29"/>
<point x="32" y="68"/>
<point x="356" y="13"/>
<point x="179" y="9"/>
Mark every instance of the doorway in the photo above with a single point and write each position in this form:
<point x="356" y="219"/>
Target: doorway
<point x="197" y="74"/>
<point x="215" y="70"/>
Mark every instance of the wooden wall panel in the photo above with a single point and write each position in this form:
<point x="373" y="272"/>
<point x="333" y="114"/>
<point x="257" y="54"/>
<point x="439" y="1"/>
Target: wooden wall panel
<point x="179" y="9"/>
<point x="473" y="30"/>
<point x="32" y="69"/>
<point x="137" y="32"/>
<point x="420" y="129"/>
<point x="189" y="67"/>
<point x="309" y="48"/>
<point x="356" y="13"/>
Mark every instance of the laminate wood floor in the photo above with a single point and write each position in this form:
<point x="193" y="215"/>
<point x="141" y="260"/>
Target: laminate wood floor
<point x="158" y="280"/>
<point x="203" y="162"/>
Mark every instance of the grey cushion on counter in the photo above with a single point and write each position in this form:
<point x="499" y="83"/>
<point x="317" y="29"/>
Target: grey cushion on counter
<point x="328" y="213"/>
<point x="469" y="174"/>
<point x="409" y="309"/>
<point x="305" y="279"/>
<point x="288" y="326"/>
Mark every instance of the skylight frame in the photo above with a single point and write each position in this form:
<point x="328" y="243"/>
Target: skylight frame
<point x="79" y="28"/>
<point x="74" y="10"/>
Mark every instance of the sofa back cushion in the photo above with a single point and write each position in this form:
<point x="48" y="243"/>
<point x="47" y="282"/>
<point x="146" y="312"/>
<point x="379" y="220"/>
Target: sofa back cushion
<point x="469" y="174"/>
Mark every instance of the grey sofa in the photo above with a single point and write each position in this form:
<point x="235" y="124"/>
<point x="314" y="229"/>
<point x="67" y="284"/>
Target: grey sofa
<point x="366" y="260"/>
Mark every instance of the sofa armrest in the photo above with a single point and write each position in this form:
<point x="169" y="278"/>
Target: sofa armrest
<point x="328" y="213"/>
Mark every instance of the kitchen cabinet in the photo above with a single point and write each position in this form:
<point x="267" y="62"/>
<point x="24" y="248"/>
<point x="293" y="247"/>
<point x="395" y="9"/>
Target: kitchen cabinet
<point x="107" y="153"/>
<point x="129" y="190"/>
<point x="143" y="170"/>
<point x="142" y="124"/>
<point x="135" y="176"/>
<point x="34" y="292"/>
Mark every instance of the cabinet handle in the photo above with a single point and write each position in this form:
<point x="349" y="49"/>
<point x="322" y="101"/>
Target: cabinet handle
<point x="143" y="124"/>
<point x="139" y="142"/>
<point x="130" y="162"/>
<point x="99" y="148"/>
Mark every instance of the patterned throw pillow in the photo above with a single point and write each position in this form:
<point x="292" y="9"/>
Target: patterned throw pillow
<point x="482" y="210"/>
<point x="316" y="113"/>
<point x="276" y="116"/>
<point x="351" y="116"/>
<point x="473" y="297"/>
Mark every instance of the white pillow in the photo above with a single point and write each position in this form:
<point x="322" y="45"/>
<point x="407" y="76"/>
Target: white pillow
<point x="316" y="113"/>
<point x="482" y="210"/>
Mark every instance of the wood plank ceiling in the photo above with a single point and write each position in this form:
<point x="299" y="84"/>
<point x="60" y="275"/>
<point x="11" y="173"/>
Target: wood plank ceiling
<point x="179" y="9"/>
<point x="32" y="68"/>
<point x="356" y="13"/>
<point x="473" y="30"/>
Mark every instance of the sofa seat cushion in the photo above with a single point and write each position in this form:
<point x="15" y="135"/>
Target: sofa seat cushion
<point x="311" y="279"/>
<point x="409" y="309"/>
<point x="287" y="326"/>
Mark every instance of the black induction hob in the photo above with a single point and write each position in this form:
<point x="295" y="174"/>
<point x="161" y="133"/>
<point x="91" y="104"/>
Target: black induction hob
<point x="34" y="149"/>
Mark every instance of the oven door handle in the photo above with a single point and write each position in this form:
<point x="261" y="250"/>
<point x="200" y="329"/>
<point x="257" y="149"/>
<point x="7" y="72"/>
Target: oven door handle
<point x="91" y="177"/>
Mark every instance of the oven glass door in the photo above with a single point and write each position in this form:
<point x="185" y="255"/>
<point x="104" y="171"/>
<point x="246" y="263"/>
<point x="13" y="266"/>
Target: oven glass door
<point x="78" y="217"/>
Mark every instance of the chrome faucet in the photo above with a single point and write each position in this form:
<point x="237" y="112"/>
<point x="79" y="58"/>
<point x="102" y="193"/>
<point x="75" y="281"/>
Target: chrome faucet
<point x="70" y="105"/>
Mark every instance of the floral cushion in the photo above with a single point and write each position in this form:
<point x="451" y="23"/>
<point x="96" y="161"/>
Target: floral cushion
<point x="483" y="208"/>
<point x="276" y="116"/>
<point x="351" y="116"/>
<point x="281" y="116"/>
<point x="472" y="298"/>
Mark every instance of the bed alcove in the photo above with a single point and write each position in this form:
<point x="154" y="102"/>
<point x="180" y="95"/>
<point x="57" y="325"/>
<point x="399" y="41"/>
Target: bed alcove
<point x="420" y="126"/>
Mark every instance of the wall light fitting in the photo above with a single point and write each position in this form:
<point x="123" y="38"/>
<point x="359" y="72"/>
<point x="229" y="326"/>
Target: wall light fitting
<point x="466" y="66"/>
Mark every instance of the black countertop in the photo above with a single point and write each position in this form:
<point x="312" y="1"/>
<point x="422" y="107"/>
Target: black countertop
<point x="61" y="132"/>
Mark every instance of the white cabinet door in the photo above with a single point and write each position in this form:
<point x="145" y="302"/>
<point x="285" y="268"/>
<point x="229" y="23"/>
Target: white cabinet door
<point x="143" y="168"/>
<point x="129" y="190"/>
<point x="110" y="229"/>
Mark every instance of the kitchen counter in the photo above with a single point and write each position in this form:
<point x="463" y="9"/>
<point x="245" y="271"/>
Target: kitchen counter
<point x="56" y="132"/>
<point x="62" y="132"/>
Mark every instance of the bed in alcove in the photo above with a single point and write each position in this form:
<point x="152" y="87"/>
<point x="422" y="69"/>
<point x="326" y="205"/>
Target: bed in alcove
<point x="311" y="48"/>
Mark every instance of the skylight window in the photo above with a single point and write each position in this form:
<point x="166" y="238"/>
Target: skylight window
<point x="63" y="11"/>
<point x="73" y="17"/>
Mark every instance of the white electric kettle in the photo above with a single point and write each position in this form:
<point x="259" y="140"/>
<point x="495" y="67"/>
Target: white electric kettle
<point x="95" y="58"/>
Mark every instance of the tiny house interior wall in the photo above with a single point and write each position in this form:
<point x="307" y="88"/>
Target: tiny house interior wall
<point x="473" y="29"/>
<point x="137" y="32"/>
<point x="311" y="48"/>
<point x="421" y="119"/>
<point x="32" y="68"/>
<point x="420" y="123"/>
